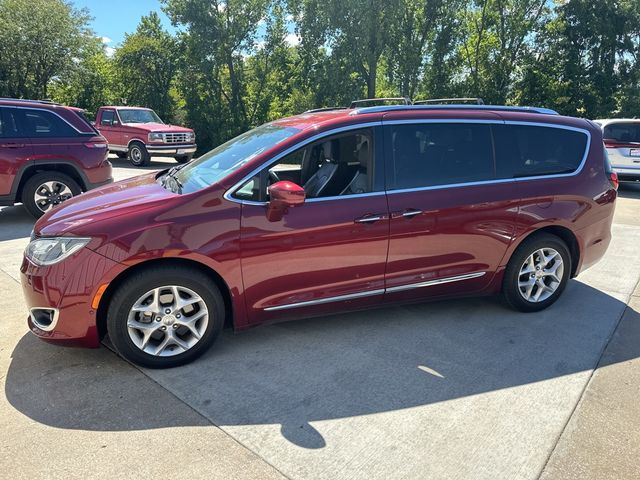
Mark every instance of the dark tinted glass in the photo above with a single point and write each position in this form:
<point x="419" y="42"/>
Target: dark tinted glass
<point x="107" y="117"/>
<point x="43" y="124"/>
<point x="8" y="123"/>
<point x="527" y="150"/>
<point x="623" y="132"/>
<point x="430" y="154"/>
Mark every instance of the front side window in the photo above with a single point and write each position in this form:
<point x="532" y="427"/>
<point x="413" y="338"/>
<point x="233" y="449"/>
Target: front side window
<point x="531" y="150"/>
<point x="337" y="165"/>
<point x="135" y="115"/>
<point x="229" y="157"/>
<point x="44" y="124"/>
<point x="107" y="117"/>
<point x="432" y="154"/>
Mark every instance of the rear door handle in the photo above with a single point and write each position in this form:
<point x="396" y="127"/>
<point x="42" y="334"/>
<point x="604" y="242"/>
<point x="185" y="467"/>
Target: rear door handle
<point x="369" y="218"/>
<point x="408" y="213"/>
<point x="11" y="145"/>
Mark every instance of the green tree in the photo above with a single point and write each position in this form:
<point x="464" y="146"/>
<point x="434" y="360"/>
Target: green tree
<point x="147" y="63"/>
<point x="39" y="41"/>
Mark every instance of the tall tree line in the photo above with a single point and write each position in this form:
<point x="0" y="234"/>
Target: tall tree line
<point x="237" y="63"/>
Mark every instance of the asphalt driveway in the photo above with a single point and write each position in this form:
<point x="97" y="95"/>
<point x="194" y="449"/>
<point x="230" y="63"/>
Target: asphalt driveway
<point x="458" y="389"/>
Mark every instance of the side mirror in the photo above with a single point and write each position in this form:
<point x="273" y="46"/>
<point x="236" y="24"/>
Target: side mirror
<point x="282" y="196"/>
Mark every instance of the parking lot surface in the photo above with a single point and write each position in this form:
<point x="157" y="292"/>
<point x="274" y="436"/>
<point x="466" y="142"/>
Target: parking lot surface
<point x="456" y="389"/>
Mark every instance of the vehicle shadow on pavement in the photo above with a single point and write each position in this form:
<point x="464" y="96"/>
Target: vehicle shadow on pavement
<point x="15" y="222"/>
<point x="296" y="373"/>
<point x="629" y="190"/>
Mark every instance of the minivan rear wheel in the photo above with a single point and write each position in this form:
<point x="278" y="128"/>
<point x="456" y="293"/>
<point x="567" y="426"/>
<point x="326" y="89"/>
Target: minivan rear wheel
<point x="45" y="190"/>
<point x="537" y="273"/>
<point x="165" y="316"/>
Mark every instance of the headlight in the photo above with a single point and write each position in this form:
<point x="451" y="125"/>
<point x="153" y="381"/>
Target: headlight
<point x="191" y="137"/>
<point x="156" y="137"/>
<point x="47" y="251"/>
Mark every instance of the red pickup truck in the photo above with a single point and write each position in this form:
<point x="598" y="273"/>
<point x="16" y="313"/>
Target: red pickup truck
<point x="138" y="134"/>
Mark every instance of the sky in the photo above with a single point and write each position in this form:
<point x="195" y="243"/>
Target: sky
<point x="114" y="18"/>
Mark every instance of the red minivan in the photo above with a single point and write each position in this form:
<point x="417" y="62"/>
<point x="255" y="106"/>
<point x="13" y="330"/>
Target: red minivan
<point x="324" y="212"/>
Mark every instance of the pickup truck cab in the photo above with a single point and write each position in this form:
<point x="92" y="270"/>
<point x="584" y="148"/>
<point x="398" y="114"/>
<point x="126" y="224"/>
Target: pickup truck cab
<point x="138" y="134"/>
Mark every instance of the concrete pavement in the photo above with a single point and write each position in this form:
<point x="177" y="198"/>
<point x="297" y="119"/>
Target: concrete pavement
<point x="462" y="389"/>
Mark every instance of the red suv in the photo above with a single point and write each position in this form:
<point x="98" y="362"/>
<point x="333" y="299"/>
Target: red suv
<point x="320" y="213"/>
<point x="48" y="154"/>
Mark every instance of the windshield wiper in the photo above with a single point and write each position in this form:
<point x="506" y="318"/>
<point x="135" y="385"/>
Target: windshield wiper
<point x="171" y="175"/>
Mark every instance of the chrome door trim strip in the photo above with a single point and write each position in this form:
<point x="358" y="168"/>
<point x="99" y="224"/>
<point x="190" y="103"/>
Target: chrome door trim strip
<point x="320" y="301"/>
<point x="230" y="191"/>
<point x="353" y="296"/>
<point x="438" y="281"/>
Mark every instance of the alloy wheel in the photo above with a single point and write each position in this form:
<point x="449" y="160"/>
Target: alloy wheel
<point x="167" y="321"/>
<point x="540" y="275"/>
<point x="49" y="194"/>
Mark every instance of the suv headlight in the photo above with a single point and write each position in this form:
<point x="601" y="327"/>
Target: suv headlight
<point x="156" y="137"/>
<point x="47" y="251"/>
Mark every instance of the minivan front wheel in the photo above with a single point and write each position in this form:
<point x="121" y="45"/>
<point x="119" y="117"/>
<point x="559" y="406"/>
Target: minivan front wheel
<point x="537" y="273"/>
<point x="45" y="190"/>
<point x="165" y="316"/>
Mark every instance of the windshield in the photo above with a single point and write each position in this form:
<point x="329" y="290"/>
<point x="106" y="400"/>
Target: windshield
<point x="623" y="132"/>
<point x="135" y="115"/>
<point x="229" y="157"/>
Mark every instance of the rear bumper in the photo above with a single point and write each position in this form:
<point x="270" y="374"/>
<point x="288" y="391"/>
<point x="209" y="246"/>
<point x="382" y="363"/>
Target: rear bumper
<point x="171" y="150"/>
<point x="627" y="171"/>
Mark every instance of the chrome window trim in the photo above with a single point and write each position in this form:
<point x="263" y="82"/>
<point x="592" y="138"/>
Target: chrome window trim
<point x="320" y="301"/>
<point x="499" y="180"/>
<point x="52" y="112"/>
<point x="353" y="296"/>
<point x="230" y="191"/>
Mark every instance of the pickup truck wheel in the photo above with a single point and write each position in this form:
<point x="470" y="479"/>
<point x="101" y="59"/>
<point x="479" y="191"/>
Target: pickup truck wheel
<point x="184" y="159"/>
<point x="138" y="154"/>
<point x="45" y="190"/>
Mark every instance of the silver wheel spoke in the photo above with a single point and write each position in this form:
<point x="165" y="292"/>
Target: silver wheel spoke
<point x="146" y="329"/>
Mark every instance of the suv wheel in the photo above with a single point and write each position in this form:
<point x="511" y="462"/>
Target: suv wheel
<point x="138" y="154"/>
<point x="165" y="316"/>
<point x="45" y="190"/>
<point x="537" y="273"/>
<point x="184" y="159"/>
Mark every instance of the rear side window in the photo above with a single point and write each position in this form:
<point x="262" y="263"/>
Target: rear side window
<point x="530" y="150"/>
<point x="623" y="132"/>
<point x="44" y="124"/>
<point x="431" y="154"/>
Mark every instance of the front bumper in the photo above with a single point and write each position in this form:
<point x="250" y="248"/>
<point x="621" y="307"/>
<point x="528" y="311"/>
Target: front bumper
<point x="171" y="150"/>
<point x="66" y="288"/>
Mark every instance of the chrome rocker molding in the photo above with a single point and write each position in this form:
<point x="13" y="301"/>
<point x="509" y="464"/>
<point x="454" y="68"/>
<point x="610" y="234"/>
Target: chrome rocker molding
<point x="353" y="296"/>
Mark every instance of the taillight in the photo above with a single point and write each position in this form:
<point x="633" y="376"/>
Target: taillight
<point x="613" y="178"/>
<point x="95" y="145"/>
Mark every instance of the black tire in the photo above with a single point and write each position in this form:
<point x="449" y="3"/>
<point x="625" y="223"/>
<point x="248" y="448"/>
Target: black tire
<point x="57" y="195"/>
<point x="138" y="154"/>
<point x="122" y="154"/>
<point x="510" y="286"/>
<point x="136" y="286"/>
<point x="184" y="158"/>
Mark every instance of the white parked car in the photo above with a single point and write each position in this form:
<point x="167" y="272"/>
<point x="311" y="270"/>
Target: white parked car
<point x="622" y="141"/>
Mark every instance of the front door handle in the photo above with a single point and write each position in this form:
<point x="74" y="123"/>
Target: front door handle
<point x="11" y="145"/>
<point x="369" y="218"/>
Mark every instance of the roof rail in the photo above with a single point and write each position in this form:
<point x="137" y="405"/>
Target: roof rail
<point x="449" y="101"/>
<point x="505" y="108"/>
<point x="365" y="101"/>
<point x="325" y="109"/>
<point x="25" y="100"/>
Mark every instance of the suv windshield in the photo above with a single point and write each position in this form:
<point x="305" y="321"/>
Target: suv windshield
<point x="623" y="132"/>
<point x="229" y="157"/>
<point x="135" y="115"/>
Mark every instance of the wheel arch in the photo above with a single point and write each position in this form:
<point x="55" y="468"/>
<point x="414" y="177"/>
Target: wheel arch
<point x="562" y="232"/>
<point x="136" y="140"/>
<point x="101" y="313"/>
<point x="60" y="166"/>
